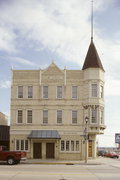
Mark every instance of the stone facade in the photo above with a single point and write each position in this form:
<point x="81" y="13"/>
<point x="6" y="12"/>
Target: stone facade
<point x="3" y="119"/>
<point x="73" y="103"/>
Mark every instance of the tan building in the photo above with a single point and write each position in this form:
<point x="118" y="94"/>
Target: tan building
<point x="49" y="107"/>
<point x="3" y="119"/>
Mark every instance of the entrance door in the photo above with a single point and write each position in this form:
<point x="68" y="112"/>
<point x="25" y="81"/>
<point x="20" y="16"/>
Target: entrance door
<point x="50" y="150"/>
<point x="37" y="150"/>
<point x="90" y="148"/>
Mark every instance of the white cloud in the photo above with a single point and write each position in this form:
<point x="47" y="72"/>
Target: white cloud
<point x="22" y="61"/>
<point x="5" y="84"/>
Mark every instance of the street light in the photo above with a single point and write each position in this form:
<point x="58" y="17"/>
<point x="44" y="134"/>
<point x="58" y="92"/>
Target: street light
<point x="86" y="138"/>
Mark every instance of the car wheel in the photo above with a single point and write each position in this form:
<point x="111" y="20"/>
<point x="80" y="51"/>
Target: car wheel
<point x="10" y="161"/>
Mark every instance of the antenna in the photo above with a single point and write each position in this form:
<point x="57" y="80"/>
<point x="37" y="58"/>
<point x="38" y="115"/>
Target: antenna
<point x="92" y="20"/>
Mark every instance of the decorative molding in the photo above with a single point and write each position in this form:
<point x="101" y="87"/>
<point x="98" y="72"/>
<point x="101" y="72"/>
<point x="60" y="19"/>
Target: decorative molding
<point x="90" y="106"/>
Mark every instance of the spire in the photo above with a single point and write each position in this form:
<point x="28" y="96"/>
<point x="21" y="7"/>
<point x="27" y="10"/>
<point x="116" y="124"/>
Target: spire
<point x="92" y="59"/>
<point x="92" y="20"/>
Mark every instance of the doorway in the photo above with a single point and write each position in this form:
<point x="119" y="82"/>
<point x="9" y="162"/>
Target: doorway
<point x="37" y="150"/>
<point x="50" y="150"/>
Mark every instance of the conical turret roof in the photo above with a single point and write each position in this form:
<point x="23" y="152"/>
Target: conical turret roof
<point x="92" y="59"/>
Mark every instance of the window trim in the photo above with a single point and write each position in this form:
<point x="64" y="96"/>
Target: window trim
<point x="62" y="116"/>
<point x="43" y="117"/>
<point x="72" y="117"/>
<point x="72" y="92"/>
<point x="43" y="92"/>
<point x="18" y="91"/>
<point x="17" y="116"/>
<point x="28" y="92"/>
<point x="96" y="116"/>
<point x="96" y="90"/>
<point x="20" y="145"/>
<point x="70" y="151"/>
<point x="57" y="92"/>
<point x="27" y="116"/>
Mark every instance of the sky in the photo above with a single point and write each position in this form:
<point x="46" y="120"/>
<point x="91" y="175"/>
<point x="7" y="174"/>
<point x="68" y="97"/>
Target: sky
<point x="33" y="33"/>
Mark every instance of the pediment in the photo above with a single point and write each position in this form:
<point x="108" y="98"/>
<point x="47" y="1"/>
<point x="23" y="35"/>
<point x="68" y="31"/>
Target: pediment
<point x="53" y="70"/>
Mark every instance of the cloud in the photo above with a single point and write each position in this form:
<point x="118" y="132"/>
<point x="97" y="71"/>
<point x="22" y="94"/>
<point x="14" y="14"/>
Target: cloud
<point x="112" y="87"/>
<point x="5" y="84"/>
<point x="22" y="61"/>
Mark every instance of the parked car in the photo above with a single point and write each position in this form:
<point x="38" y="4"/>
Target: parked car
<point x="112" y="155"/>
<point x="101" y="152"/>
<point x="11" y="157"/>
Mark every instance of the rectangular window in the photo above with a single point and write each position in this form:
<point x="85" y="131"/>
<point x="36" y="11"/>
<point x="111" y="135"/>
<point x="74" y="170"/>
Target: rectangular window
<point x="45" y="116"/>
<point x="94" y="116"/>
<point x="101" y="116"/>
<point x="26" y="145"/>
<point x="74" y="117"/>
<point x="20" y="91"/>
<point x="45" y="92"/>
<point x="94" y="90"/>
<point x="62" y="145"/>
<point x="21" y="145"/>
<point x="67" y="146"/>
<point x="20" y="116"/>
<point x="30" y="91"/>
<point x="17" y="145"/>
<point x="59" y="92"/>
<point x="59" y="116"/>
<point x="29" y="116"/>
<point x="77" y="145"/>
<point x="74" y="92"/>
<point x="101" y="91"/>
<point x="72" y="145"/>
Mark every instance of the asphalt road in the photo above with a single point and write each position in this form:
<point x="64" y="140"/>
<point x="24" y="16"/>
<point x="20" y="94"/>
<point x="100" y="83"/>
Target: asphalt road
<point x="101" y="169"/>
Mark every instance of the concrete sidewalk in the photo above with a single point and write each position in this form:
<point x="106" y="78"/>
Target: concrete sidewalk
<point x="62" y="162"/>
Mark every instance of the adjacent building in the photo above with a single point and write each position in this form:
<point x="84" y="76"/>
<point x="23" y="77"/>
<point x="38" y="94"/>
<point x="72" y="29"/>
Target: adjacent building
<point x="4" y="131"/>
<point x="49" y="107"/>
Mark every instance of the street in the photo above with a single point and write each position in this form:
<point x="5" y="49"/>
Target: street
<point x="99" y="169"/>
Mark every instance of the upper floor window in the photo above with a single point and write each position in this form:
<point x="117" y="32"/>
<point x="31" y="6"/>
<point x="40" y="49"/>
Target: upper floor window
<point x="45" y="92"/>
<point x="74" y="117"/>
<point x="94" y="116"/>
<point x="101" y="91"/>
<point x="94" y="90"/>
<point x="59" y="116"/>
<point x="30" y="91"/>
<point x="29" y="116"/>
<point x="74" y="92"/>
<point x="20" y="116"/>
<point x="59" y="92"/>
<point x="20" y="91"/>
<point x="45" y="116"/>
<point x="101" y="117"/>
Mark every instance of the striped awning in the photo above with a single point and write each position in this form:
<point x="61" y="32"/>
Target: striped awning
<point x="44" y="134"/>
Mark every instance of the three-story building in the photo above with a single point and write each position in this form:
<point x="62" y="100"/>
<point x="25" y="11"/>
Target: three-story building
<point x="48" y="109"/>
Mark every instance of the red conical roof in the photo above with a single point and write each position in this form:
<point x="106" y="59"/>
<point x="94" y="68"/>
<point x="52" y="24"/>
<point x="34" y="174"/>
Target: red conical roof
<point x="92" y="59"/>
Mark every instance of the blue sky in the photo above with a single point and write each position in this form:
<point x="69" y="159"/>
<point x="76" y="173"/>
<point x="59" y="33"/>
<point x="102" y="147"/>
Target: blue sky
<point x="33" y="33"/>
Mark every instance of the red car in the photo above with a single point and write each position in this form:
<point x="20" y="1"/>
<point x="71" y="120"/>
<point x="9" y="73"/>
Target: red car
<point x="11" y="157"/>
<point x="112" y="155"/>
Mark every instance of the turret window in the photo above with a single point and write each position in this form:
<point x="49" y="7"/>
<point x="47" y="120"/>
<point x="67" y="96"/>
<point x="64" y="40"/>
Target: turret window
<point x="94" y="90"/>
<point x="94" y="116"/>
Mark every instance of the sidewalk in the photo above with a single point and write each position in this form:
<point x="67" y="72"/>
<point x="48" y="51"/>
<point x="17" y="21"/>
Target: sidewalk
<point x="62" y="162"/>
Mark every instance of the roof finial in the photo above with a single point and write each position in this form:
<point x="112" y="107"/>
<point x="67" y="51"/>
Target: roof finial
<point x="92" y="20"/>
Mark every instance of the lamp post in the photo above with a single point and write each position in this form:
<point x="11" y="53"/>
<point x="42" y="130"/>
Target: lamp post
<point x="86" y="138"/>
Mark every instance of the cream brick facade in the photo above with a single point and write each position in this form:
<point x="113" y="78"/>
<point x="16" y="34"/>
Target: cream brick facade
<point x="3" y="119"/>
<point x="71" y="133"/>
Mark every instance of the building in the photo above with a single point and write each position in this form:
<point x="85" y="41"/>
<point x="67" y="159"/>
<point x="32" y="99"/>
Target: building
<point x="4" y="131"/>
<point x="48" y="109"/>
<point x="3" y="119"/>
